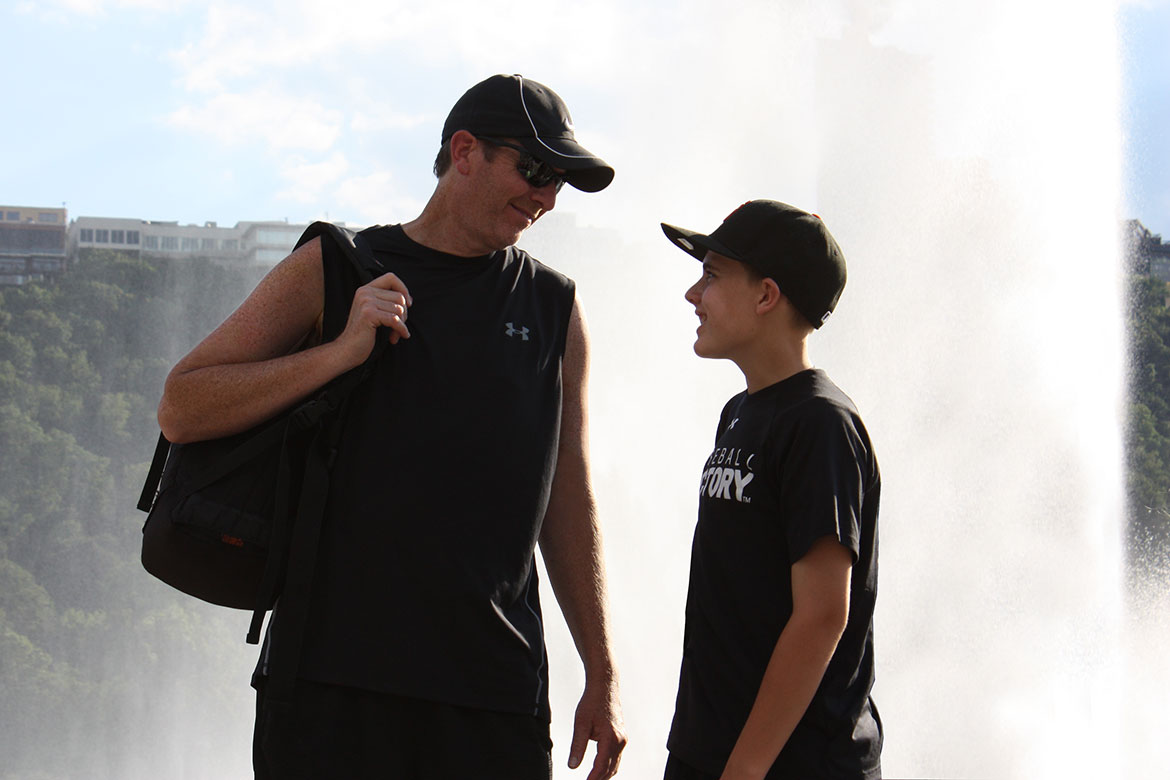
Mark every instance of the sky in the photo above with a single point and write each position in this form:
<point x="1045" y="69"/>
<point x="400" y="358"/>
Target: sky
<point x="972" y="157"/>
<point x="256" y="110"/>
<point x="1145" y="30"/>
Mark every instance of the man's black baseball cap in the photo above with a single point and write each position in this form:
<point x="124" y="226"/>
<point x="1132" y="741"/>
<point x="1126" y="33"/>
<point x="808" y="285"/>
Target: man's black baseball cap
<point x="785" y="244"/>
<point x="520" y="108"/>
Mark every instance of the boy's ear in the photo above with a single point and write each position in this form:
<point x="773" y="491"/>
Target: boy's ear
<point x="769" y="296"/>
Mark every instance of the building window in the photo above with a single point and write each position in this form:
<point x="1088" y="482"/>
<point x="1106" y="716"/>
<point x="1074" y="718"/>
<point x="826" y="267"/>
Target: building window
<point x="207" y="243"/>
<point x="47" y="216"/>
<point x="117" y="236"/>
<point x="277" y="236"/>
<point x="132" y="237"/>
<point x="87" y="235"/>
<point x="170" y="242"/>
<point x="14" y="216"/>
<point x="103" y="236"/>
<point x="150" y="242"/>
<point x="231" y="244"/>
<point x="190" y="244"/>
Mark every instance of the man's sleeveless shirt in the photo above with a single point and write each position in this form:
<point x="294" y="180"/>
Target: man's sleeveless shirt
<point x="426" y="583"/>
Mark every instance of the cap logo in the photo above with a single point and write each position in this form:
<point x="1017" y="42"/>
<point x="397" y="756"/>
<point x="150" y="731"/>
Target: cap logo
<point x="732" y="214"/>
<point x="825" y="316"/>
<point x="687" y="245"/>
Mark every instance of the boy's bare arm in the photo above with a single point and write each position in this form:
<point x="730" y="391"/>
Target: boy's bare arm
<point x="820" y="608"/>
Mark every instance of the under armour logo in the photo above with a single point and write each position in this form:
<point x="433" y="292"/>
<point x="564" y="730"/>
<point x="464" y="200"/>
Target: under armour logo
<point x="733" y="422"/>
<point x="512" y="330"/>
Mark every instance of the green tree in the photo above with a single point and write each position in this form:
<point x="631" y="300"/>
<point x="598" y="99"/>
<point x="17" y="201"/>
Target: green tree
<point x="83" y="629"/>
<point x="1147" y="432"/>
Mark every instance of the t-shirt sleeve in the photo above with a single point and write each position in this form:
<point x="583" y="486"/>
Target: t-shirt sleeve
<point x="822" y="481"/>
<point x="726" y="415"/>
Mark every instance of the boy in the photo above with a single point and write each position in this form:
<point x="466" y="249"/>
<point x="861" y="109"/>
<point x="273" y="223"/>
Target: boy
<point x="778" y="647"/>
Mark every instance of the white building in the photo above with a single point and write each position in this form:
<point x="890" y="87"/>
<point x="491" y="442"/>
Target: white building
<point x="245" y="244"/>
<point x="32" y="243"/>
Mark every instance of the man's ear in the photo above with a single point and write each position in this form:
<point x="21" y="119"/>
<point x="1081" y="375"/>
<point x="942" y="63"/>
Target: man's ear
<point x="462" y="144"/>
<point x="769" y="296"/>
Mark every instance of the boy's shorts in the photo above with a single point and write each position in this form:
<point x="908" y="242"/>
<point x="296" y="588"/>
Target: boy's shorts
<point x="331" y="731"/>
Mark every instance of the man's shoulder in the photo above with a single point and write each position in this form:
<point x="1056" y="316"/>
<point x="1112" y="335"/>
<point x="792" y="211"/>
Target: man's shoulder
<point x="523" y="255"/>
<point x="388" y="238"/>
<point x="537" y="269"/>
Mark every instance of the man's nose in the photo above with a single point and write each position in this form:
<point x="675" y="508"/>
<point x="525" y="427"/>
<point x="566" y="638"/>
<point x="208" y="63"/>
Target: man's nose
<point x="546" y="196"/>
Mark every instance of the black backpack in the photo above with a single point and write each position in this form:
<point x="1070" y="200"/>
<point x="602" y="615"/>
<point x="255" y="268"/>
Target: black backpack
<point x="236" y="521"/>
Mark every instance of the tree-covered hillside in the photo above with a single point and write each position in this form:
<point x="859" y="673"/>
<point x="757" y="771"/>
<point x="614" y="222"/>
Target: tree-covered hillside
<point x="1148" y="429"/>
<point x="90" y="646"/>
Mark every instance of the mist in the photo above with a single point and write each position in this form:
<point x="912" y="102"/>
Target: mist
<point x="967" y="158"/>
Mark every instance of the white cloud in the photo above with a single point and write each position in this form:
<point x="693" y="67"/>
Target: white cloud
<point x="153" y="5"/>
<point x="241" y="40"/>
<point x="374" y="196"/>
<point x="310" y="179"/>
<point x="244" y="39"/>
<point x="379" y="118"/>
<point x="88" y="7"/>
<point x="60" y="9"/>
<point x="281" y="122"/>
<point x="223" y="51"/>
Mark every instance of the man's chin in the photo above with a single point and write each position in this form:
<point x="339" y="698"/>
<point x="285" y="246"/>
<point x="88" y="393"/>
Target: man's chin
<point x="516" y="235"/>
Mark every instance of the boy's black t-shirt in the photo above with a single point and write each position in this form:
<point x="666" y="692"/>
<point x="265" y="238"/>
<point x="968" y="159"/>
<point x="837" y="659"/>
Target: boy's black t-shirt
<point x="792" y="463"/>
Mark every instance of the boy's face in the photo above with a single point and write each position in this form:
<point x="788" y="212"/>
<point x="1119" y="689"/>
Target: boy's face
<point x="725" y="299"/>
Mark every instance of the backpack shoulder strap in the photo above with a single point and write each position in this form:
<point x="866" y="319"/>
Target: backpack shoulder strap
<point x="150" y="489"/>
<point x="353" y="246"/>
<point x="356" y="249"/>
<point x="314" y="480"/>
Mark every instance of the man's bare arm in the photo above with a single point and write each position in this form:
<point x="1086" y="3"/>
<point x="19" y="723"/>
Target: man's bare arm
<point x="246" y="370"/>
<point x="570" y="543"/>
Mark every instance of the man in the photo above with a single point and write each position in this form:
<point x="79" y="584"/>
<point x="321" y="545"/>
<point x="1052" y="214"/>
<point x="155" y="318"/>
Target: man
<point x="778" y="649"/>
<point x="423" y="654"/>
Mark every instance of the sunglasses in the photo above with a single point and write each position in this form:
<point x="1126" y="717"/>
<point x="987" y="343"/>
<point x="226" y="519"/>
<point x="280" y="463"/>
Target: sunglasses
<point x="536" y="172"/>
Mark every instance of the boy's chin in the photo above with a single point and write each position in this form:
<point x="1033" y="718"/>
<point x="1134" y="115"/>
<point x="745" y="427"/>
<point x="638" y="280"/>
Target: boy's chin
<point x="702" y="350"/>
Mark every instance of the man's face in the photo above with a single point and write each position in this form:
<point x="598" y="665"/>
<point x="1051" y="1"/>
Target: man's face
<point x="504" y="203"/>
<point x="725" y="299"/>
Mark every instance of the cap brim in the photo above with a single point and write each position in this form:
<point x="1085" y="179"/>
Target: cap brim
<point x="583" y="169"/>
<point x="695" y="244"/>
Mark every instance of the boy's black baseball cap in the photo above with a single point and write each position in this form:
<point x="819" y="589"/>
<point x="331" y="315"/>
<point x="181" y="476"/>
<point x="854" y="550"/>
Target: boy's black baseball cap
<point x="789" y="246"/>
<point x="516" y="107"/>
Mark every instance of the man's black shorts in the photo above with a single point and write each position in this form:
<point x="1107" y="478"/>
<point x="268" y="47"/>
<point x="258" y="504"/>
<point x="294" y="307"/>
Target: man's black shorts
<point x="335" y="732"/>
<point x="677" y="770"/>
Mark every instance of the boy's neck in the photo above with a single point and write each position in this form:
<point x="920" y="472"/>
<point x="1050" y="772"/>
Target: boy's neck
<point x="775" y="364"/>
